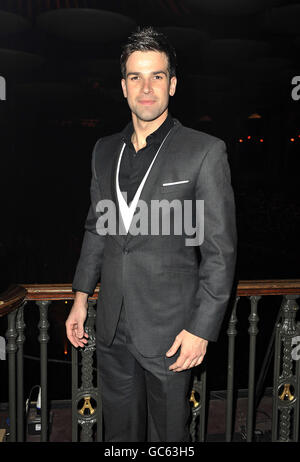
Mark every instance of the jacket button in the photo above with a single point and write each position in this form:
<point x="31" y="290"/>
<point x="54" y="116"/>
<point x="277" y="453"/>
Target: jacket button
<point x="125" y="251"/>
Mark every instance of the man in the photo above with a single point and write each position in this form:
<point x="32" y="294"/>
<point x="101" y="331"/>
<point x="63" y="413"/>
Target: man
<point x="161" y="299"/>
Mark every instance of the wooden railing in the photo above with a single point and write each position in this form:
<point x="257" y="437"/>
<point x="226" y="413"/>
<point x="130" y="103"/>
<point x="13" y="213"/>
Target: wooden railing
<point x="86" y="401"/>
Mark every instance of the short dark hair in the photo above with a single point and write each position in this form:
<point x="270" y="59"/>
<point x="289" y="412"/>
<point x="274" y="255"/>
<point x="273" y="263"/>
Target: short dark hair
<point x="148" y="39"/>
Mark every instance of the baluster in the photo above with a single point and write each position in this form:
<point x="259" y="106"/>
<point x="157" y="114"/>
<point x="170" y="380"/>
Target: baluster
<point x="253" y="331"/>
<point x="275" y="378"/>
<point x="195" y="407"/>
<point x="43" y="339"/>
<point x="20" y="326"/>
<point x="297" y="391"/>
<point x="231" y="332"/>
<point x="201" y="430"/>
<point x="197" y="426"/>
<point x="11" y="335"/>
<point x="99" y="435"/>
<point x="87" y="392"/>
<point x="74" y="393"/>
<point x="286" y="383"/>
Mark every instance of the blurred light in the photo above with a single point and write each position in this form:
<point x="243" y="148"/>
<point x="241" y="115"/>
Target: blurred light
<point x="66" y="349"/>
<point x="89" y="122"/>
<point x="241" y="140"/>
<point x="66" y="301"/>
<point x="249" y="137"/>
<point x="261" y="140"/>
<point x="254" y="116"/>
<point x="292" y="139"/>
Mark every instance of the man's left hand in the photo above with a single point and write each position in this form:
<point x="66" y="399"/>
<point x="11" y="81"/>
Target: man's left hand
<point x="193" y="349"/>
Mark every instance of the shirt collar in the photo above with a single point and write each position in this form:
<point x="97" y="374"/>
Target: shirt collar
<point x="156" y="137"/>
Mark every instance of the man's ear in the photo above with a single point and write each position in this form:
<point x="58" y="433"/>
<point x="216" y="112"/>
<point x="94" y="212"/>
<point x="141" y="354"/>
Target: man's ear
<point x="123" y="85"/>
<point x="173" y="83"/>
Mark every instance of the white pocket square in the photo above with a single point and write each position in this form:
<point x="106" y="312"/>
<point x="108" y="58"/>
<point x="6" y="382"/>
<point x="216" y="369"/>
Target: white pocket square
<point x="176" y="182"/>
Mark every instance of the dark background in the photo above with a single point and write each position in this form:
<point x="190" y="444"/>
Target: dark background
<point x="60" y="59"/>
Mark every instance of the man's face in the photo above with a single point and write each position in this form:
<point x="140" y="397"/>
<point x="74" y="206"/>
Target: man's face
<point x="147" y="86"/>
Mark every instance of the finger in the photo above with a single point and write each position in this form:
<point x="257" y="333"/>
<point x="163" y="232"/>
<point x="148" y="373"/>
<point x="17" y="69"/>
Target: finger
<point x="70" y="335"/>
<point x="174" y="347"/>
<point x="69" y="327"/>
<point x="179" y="363"/>
<point x="201" y="357"/>
<point x="81" y="334"/>
<point x="186" y="365"/>
<point x="79" y="331"/>
<point x="73" y="336"/>
<point x="74" y="339"/>
<point x="81" y="337"/>
<point x="193" y="363"/>
<point x="199" y="360"/>
<point x="81" y="341"/>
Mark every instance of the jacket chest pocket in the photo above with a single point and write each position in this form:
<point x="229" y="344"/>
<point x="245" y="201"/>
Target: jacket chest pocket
<point x="179" y="189"/>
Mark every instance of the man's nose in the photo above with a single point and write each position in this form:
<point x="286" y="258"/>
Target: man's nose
<point x="147" y="86"/>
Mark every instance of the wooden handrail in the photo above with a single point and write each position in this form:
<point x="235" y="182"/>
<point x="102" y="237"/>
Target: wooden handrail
<point x="53" y="292"/>
<point x="11" y="299"/>
<point x="15" y="294"/>
<point x="244" y="288"/>
<point x="268" y="287"/>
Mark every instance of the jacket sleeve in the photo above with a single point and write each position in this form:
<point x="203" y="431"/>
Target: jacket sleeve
<point x="218" y="249"/>
<point x="88" y="268"/>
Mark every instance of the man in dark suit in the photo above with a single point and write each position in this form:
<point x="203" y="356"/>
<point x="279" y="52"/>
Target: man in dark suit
<point x="162" y="295"/>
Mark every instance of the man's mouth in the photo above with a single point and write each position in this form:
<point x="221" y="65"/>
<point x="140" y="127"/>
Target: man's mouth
<point x="146" y="102"/>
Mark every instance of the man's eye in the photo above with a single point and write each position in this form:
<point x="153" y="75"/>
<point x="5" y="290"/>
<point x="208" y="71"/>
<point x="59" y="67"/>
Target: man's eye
<point x="157" y="77"/>
<point x="135" y="77"/>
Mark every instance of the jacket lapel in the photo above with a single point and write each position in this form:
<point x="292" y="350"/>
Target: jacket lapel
<point x="107" y="184"/>
<point x="154" y="174"/>
<point x="108" y="180"/>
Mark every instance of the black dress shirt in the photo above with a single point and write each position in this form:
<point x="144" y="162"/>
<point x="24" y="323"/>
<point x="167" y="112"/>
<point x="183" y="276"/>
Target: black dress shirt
<point x="134" y="165"/>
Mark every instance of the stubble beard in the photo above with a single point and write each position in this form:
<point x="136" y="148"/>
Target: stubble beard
<point x="148" y="115"/>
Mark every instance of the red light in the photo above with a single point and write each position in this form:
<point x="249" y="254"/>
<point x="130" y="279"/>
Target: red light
<point x="261" y="140"/>
<point x="241" y="140"/>
<point x="249" y="137"/>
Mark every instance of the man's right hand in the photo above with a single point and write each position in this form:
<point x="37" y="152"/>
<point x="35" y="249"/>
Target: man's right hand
<point x="75" y="321"/>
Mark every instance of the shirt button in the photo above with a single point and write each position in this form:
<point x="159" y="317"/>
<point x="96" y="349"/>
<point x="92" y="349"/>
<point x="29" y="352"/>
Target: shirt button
<point x="125" y="251"/>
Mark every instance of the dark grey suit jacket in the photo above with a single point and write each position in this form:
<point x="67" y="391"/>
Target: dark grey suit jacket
<point x="166" y="285"/>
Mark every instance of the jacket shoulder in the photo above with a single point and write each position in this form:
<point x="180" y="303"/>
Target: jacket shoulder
<point x="105" y="147"/>
<point x="197" y="138"/>
<point x="107" y="140"/>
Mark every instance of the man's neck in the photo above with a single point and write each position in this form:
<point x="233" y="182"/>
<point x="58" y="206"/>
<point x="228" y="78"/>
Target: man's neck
<point x="143" y="129"/>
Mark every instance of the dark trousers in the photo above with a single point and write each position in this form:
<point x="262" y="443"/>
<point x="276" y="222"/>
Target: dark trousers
<point x="142" y="399"/>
